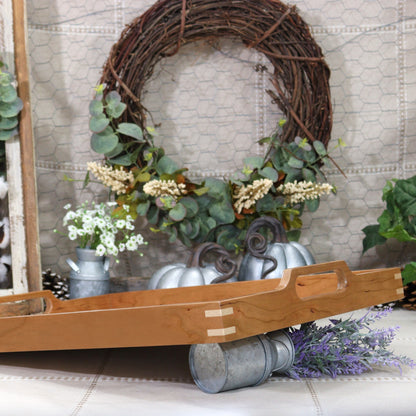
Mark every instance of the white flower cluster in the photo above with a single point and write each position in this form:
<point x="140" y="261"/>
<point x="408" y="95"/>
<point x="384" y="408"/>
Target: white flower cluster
<point x="163" y="188"/>
<point x="246" y="196"/>
<point x="94" y="227"/>
<point x="297" y="192"/>
<point x="116" y="179"/>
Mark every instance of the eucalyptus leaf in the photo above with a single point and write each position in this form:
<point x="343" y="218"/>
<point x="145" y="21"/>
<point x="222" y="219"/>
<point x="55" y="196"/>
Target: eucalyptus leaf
<point x="12" y="109"/>
<point x="191" y="206"/>
<point x="153" y="215"/>
<point x="96" y="108"/>
<point x="116" y="111"/>
<point x="295" y="163"/>
<point x="115" y="152"/>
<point x="185" y="239"/>
<point x="204" y="202"/>
<point x="113" y="98"/>
<point x="210" y="222"/>
<point x="255" y="162"/>
<point x="104" y="142"/>
<point x="173" y="234"/>
<point x="222" y="212"/>
<point x="185" y="227"/>
<point x="8" y="93"/>
<point x="131" y="130"/>
<point x="312" y="204"/>
<point x="228" y="236"/>
<point x="123" y="160"/>
<point x="178" y="212"/>
<point x="196" y="228"/>
<point x="266" y="204"/>
<point x="292" y="174"/>
<point x="8" y="134"/>
<point x="166" y="165"/>
<point x="320" y="148"/>
<point x="99" y="123"/>
<point x="216" y="188"/>
<point x="142" y="208"/>
<point x="269" y="173"/>
<point x="279" y="158"/>
<point x="9" y="123"/>
<point x="310" y="156"/>
<point x="327" y="162"/>
<point x="308" y="175"/>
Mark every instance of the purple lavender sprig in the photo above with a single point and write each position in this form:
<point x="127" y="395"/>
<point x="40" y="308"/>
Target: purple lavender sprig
<point x="347" y="346"/>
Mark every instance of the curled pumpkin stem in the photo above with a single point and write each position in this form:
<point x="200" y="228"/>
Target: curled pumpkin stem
<point x="224" y="264"/>
<point x="256" y="243"/>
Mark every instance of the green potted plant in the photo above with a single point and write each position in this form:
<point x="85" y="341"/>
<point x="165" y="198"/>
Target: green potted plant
<point x="398" y="221"/>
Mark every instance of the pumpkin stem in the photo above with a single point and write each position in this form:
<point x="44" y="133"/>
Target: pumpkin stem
<point x="256" y="244"/>
<point x="273" y="224"/>
<point x="224" y="264"/>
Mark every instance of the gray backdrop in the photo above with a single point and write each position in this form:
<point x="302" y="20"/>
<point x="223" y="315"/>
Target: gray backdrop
<point x="212" y="108"/>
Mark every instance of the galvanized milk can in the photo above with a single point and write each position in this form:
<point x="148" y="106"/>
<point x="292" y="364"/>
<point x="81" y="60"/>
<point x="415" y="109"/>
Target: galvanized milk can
<point x="89" y="275"/>
<point x="242" y="363"/>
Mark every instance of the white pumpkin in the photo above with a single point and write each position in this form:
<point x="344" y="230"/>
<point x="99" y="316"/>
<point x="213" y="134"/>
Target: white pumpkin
<point x="268" y="261"/>
<point x="193" y="273"/>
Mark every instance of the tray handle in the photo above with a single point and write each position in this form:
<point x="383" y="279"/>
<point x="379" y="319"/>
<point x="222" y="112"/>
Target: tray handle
<point x="47" y="296"/>
<point x="338" y="267"/>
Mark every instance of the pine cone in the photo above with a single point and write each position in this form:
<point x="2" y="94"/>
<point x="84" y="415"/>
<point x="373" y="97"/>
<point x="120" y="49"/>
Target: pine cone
<point x="409" y="300"/>
<point x="58" y="285"/>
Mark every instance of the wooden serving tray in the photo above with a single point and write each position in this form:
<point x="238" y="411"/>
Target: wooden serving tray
<point x="198" y="314"/>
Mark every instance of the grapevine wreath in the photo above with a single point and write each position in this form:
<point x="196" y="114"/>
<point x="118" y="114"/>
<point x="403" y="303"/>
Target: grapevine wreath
<point x="149" y="183"/>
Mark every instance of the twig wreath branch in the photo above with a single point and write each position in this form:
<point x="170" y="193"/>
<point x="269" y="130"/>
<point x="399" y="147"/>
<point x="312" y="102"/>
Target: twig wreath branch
<point x="300" y="78"/>
<point x="150" y="184"/>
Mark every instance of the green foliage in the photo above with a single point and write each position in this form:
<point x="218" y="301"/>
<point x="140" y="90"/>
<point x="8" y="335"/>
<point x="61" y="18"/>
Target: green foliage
<point x="198" y="212"/>
<point x="398" y="220"/>
<point x="110" y="137"/>
<point x="10" y="105"/>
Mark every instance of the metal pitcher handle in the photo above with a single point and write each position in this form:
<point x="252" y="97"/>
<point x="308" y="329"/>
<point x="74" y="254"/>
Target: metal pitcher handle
<point x="106" y="264"/>
<point x="73" y="266"/>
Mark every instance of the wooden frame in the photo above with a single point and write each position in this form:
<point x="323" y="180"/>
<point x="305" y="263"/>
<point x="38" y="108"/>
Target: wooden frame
<point x="23" y="213"/>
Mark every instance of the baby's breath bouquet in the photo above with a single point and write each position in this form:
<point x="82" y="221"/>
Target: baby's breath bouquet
<point x="92" y="226"/>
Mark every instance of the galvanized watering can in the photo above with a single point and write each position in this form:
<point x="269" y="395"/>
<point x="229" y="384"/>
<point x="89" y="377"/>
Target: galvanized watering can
<point x="89" y="275"/>
<point x="242" y="363"/>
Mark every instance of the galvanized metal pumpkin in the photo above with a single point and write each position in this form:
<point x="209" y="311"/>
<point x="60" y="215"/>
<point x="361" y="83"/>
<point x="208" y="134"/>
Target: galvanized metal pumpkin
<point x="194" y="273"/>
<point x="268" y="261"/>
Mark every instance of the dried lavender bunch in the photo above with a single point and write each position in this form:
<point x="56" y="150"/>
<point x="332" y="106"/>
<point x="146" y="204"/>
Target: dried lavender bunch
<point x="347" y="346"/>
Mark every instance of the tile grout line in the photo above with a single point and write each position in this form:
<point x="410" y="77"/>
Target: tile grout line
<point x="318" y="408"/>
<point x="92" y="385"/>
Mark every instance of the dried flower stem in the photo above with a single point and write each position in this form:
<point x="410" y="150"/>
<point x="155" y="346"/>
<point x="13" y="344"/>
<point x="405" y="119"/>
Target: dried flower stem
<point x="164" y="188"/>
<point x="246" y="196"/>
<point x="116" y="179"/>
<point x="297" y="192"/>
